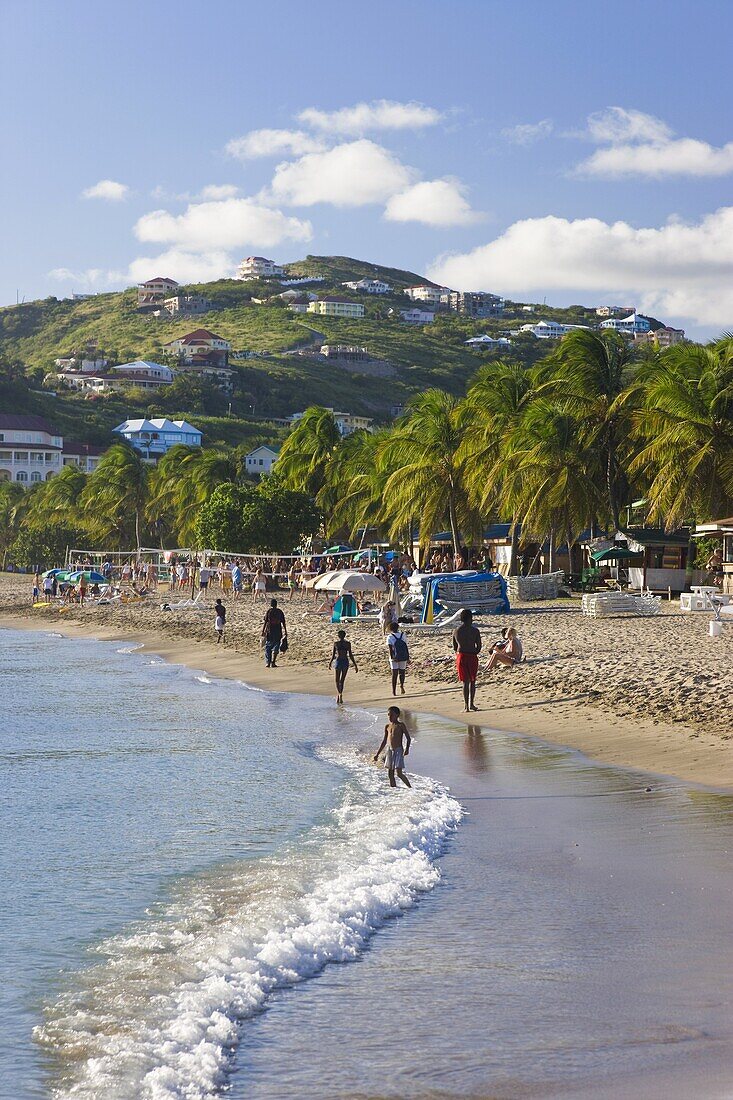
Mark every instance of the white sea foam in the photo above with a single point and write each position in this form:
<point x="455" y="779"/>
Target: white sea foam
<point x="133" y="648"/>
<point x="161" y="1016"/>
<point x="204" y="680"/>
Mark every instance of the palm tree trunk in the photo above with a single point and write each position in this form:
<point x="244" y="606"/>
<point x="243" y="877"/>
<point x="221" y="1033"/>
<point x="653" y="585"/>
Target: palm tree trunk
<point x="551" y="554"/>
<point x="454" y="524"/>
<point x="514" y="547"/>
<point x="691" y="554"/>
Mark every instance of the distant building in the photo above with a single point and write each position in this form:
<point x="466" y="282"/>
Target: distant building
<point x="258" y="267"/>
<point x="345" y="352"/>
<point x="299" y="303"/>
<point x="155" y="291"/>
<point x="430" y="295"/>
<point x="336" y="307"/>
<point x="627" y="326"/>
<point x="84" y="455"/>
<point x="261" y="459"/>
<point x="153" y="438"/>
<point x="30" y="449"/>
<point x="416" y="316"/>
<point x="370" y="286"/>
<point x="550" y="330"/>
<point x="663" y="337"/>
<point x="143" y="373"/>
<point x="186" y="305"/>
<point x="614" y="311"/>
<point x="345" y="422"/>
<point x="476" y="303"/>
<point x="200" y="347"/>
<point x="487" y="341"/>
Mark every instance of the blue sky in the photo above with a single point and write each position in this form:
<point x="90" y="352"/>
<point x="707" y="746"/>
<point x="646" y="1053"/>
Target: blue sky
<point x="569" y="150"/>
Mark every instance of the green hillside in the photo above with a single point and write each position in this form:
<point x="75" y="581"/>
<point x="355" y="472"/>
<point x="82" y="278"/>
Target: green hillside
<point x="274" y="382"/>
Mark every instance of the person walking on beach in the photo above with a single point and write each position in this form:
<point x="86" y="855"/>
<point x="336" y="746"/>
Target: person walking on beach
<point x="467" y="644"/>
<point x="399" y="655"/>
<point x="292" y="580"/>
<point x="342" y="655"/>
<point x="259" y="585"/>
<point x="236" y="580"/>
<point x="397" y="739"/>
<point x="220" y="621"/>
<point x="274" y="630"/>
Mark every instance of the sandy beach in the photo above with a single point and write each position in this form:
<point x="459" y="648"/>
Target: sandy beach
<point x="647" y="693"/>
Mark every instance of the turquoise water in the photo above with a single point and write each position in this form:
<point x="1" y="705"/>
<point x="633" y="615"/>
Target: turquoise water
<point x="183" y="860"/>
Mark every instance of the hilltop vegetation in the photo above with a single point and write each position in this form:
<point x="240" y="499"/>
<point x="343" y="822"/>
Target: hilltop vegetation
<point x="252" y="317"/>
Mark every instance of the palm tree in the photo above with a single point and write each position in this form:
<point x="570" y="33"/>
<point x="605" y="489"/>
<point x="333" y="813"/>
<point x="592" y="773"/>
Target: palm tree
<point x="308" y="452"/>
<point x="589" y="375"/>
<point x="59" y="497"/>
<point x="183" y="481"/>
<point x="425" y="476"/>
<point x="355" y="482"/>
<point x="552" y="479"/>
<point x="116" y="493"/>
<point x="494" y="405"/>
<point x="684" y="419"/>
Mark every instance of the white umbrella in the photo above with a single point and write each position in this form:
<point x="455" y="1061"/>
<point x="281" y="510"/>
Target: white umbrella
<point x="322" y="581"/>
<point x="348" y="580"/>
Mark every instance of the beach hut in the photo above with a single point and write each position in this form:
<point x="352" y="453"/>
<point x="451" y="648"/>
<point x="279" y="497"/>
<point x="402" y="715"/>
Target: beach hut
<point x="663" y="558"/>
<point x="720" y="529"/>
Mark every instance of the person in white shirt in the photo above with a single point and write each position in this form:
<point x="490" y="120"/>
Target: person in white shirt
<point x="399" y="656"/>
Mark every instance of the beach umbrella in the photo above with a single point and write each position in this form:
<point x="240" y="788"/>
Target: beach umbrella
<point x="90" y="575"/>
<point x="349" y="581"/>
<point x="339" y="549"/>
<point x="324" y="581"/>
<point x="53" y="572"/>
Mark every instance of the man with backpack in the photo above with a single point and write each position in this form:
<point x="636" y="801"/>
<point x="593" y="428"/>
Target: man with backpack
<point x="399" y="655"/>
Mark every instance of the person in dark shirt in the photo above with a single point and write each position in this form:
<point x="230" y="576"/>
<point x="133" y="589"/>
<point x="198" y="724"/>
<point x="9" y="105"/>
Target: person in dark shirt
<point x="274" y="630"/>
<point x="220" y="622"/>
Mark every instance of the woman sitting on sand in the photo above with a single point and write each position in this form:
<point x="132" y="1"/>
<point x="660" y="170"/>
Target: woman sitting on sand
<point x="510" y="654"/>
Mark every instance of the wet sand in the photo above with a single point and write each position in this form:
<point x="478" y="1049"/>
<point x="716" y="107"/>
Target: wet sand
<point x="645" y="693"/>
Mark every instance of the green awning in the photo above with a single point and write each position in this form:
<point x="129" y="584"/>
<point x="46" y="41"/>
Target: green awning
<point x="614" y="553"/>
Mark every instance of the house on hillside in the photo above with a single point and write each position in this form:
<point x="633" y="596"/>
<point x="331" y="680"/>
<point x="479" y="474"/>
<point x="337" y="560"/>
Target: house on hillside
<point x="258" y="267"/>
<point x="627" y="326"/>
<point x="84" y="455"/>
<point x="614" y="311"/>
<point x="30" y="449"/>
<point x="664" y="337"/>
<point x="434" y="296"/>
<point x="143" y="373"/>
<point x="417" y="316"/>
<point x="345" y="422"/>
<point x="369" y="286"/>
<point x="154" y="291"/>
<point x="336" y="307"/>
<point x="476" y="303"/>
<point x="198" y="347"/>
<point x="186" y="305"/>
<point x="487" y="341"/>
<point x="548" y="330"/>
<point x="261" y="459"/>
<point x="299" y="303"/>
<point x="153" y="438"/>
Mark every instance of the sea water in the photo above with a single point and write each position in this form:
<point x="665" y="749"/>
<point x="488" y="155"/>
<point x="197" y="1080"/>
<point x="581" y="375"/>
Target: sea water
<point x="176" y="849"/>
<point x="208" y="890"/>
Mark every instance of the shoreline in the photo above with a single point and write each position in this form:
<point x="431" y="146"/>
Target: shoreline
<point x="662" y="749"/>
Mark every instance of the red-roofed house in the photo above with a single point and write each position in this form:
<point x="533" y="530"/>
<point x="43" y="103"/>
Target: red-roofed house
<point x="203" y="352"/>
<point x="258" y="267"/>
<point x="155" y="291"/>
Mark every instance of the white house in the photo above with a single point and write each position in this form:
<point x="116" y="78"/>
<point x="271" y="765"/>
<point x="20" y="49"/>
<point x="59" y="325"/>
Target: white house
<point x="627" y="326"/>
<point x="145" y="373"/>
<point x="487" y="341"/>
<point x="261" y="459"/>
<point x="345" y="422"/>
<point x="30" y="449"/>
<point x="663" y="337"/>
<point x="613" y="311"/>
<point x="186" y="304"/>
<point x="476" y="303"/>
<point x="337" y="307"/>
<point x="258" y="267"/>
<point x="430" y="295"/>
<point x="154" y="291"/>
<point x="155" y="437"/>
<point x="142" y="373"/>
<point x="84" y="455"/>
<point x="550" y="330"/>
<point x="416" y="316"/>
<point x="369" y="286"/>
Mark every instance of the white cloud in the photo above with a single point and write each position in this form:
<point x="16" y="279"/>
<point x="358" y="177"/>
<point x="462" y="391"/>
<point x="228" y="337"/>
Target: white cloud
<point x="352" y="174"/>
<point x="381" y="114"/>
<point x="682" y="157"/>
<point x="185" y="267"/>
<point x="638" y="144"/>
<point x="109" y="190"/>
<point x="269" y="143"/>
<point x="92" y="276"/>
<point x="616" y="125"/>
<point x="677" y="270"/>
<point x="439" y="203"/>
<point x="527" y="132"/>
<point x="207" y="227"/>
<point x="219" y="191"/>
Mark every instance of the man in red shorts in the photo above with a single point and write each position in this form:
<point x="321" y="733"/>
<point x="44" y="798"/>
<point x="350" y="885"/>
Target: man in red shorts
<point x="467" y="644"/>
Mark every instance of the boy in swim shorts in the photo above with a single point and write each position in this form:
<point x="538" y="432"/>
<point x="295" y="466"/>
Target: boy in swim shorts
<point x="397" y="739"/>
